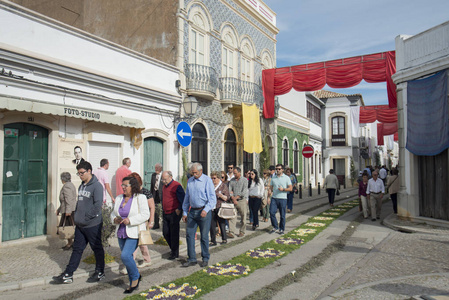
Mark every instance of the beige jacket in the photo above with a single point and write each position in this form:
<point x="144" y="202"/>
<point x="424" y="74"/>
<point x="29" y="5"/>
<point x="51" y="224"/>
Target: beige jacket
<point x="331" y="182"/>
<point x="393" y="184"/>
<point x="67" y="198"/>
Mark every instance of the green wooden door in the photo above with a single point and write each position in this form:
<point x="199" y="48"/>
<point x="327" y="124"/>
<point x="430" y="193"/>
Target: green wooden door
<point x="153" y="154"/>
<point x="24" y="181"/>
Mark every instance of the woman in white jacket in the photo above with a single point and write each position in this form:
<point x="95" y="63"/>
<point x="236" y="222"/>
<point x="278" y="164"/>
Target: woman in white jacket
<point x="130" y="212"/>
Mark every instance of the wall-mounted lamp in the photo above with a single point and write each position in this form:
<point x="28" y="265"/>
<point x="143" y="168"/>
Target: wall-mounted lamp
<point x="190" y="105"/>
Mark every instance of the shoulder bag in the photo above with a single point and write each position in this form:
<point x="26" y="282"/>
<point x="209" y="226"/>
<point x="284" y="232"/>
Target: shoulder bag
<point x="67" y="232"/>
<point x="144" y="235"/>
<point x="227" y="211"/>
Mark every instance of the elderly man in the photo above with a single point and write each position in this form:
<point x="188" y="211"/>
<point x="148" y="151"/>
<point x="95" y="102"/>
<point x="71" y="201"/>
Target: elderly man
<point x="238" y="189"/>
<point x="280" y="185"/>
<point x="200" y="199"/>
<point x="156" y="190"/>
<point x="173" y="196"/>
<point x="375" y="192"/>
<point x="121" y="173"/>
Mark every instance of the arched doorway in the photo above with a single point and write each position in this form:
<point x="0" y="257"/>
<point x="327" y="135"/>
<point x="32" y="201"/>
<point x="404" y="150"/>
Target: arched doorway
<point x="230" y="151"/>
<point x="199" y="146"/>
<point x="25" y="164"/>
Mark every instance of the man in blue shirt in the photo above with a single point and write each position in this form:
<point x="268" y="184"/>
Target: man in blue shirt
<point x="280" y="186"/>
<point x="200" y="199"/>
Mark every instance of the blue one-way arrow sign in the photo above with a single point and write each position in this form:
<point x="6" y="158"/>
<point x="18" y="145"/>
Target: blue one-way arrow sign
<point x="184" y="134"/>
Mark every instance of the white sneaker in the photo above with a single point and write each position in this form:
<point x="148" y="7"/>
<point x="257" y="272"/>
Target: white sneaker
<point x="144" y="264"/>
<point x="124" y="271"/>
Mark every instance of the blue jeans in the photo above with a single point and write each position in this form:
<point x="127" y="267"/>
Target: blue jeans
<point x="91" y="235"/>
<point x="128" y="246"/>
<point x="290" y="200"/>
<point x="276" y="204"/>
<point x="194" y="220"/>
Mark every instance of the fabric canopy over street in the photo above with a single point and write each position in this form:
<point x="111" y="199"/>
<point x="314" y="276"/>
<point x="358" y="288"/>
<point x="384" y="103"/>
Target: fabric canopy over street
<point x="340" y="73"/>
<point x="38" y="107"/>
<point x="384" y="114"/>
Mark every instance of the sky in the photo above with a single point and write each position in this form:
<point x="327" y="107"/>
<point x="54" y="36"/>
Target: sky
<point x="320" y="30"/>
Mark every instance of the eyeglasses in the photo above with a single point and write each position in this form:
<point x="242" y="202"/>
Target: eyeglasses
<point x="278" y="168"/>
<point x="126" y="185"/>
<point x="230" y="167"/>
<point x="81" y="173"/>
<point x="213" y="178"/>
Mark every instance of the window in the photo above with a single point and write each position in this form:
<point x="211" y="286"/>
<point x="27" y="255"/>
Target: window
<point x="311" y="165"/>
<point x="295" y="157"/>
<point x="313" y="112"/>
<point x="247" y="161"/>
<point x="247" y="61"/>
<point x="199" y="146"/>
<point x="267" y="61"/>
<point x="228" y="57"/>
<point x="285" y="152"/>
<point x="228" y="62"/>
<point x="338" y="131"/>
<point x="196" y="47"/>
<point x="319" y="163"/>
<point x="230" y="151"/>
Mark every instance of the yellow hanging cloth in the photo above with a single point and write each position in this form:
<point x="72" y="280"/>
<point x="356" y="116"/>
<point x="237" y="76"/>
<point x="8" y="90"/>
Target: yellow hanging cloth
<point x="252" y="140"/>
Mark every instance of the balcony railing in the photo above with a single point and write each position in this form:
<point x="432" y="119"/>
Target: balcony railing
<point x="201" y="78"/>
<point x="233" y="89"/>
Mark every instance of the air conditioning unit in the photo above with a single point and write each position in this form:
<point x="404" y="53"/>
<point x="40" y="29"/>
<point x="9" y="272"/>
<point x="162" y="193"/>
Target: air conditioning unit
<point x="362" y="142"/>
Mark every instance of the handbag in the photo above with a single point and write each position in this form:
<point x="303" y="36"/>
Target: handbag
<point x="67" y="232"/>
<point x="338" y="192"/>
<point x="227" y="211"/>
<point x="145" y="237"/>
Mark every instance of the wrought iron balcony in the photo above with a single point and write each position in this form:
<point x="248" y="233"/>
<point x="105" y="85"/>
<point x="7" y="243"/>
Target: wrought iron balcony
<point x="201" y="78"/>
<point x="233" y="89"/>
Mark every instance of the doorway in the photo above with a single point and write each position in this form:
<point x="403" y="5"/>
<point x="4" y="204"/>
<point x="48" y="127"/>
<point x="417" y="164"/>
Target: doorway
<point x="24" y="194"/>
<point x="153" y="154"/>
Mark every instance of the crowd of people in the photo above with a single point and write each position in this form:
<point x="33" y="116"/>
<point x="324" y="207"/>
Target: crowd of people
<point x="211" y="203"/>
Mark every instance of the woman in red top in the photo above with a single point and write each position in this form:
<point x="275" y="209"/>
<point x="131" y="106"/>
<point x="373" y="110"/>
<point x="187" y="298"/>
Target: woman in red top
<point x="362" y="195"/>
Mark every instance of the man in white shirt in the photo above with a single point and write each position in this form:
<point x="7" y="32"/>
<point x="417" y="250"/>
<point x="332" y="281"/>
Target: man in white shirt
<point x="383" y="174"/>
<point x="375" y="192"/>
<point x="230" y="172"/>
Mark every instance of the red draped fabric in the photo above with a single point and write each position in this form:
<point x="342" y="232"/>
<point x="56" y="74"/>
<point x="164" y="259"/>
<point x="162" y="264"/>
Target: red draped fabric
<point x="386" y="129"/>
<point x="340" y="73"/>
<point x="381" y="113"/>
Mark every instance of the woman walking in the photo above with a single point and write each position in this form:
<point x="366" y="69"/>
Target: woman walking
<point x="393" y="188"/>
<point x="266" y="195"/>
<point x="130" y="212"/>
<point x="289" y="173"/>
<point x="222" y="194"/>
<point x="255" y="193"/>
<point x="331" y="185"/>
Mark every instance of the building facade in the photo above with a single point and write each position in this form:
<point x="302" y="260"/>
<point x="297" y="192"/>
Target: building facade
<point x="61" y="87"/>
<point x="424" y="177"/>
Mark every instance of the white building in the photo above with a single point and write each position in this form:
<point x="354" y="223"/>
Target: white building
<point x="424" y="177"/>
<point x="61" y="87"/>
<point x="339" y="147"/>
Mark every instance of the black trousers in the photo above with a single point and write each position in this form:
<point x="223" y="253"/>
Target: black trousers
<point x="331" y="195"/>
<point x="394" y="199"/>
<point x="213" y="227"/>
<point x="170" y="230"/>
<point x="83" y="236"/>
<point x="156" y="215"/>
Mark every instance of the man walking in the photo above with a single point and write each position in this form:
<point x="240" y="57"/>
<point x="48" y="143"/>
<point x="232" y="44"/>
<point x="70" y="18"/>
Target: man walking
<point x="200" y="198"/>
<point x="173" y="196"/>
<point x="89" y="223"/>
<point x="383" y="174"/>
<point x="103" y="178"/>
<point x="280" y="185"/>
<point x="238" y="189"/>
<point x="121" y="173"/>
<point x="156" y="190"/>
<point x="375" y="192"/>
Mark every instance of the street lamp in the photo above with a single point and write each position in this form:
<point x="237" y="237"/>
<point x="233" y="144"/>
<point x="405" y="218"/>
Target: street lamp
<point x="190" y="105"/>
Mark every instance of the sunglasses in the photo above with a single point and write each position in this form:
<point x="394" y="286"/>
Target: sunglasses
<point x="223" y="177"/>
<point x="125" y="185"/>
<point x="230" y="168"/>
<point x="278" y="168"/>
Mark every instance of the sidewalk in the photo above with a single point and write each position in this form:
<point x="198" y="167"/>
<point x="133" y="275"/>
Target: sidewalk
<point x="34" y="261"/>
